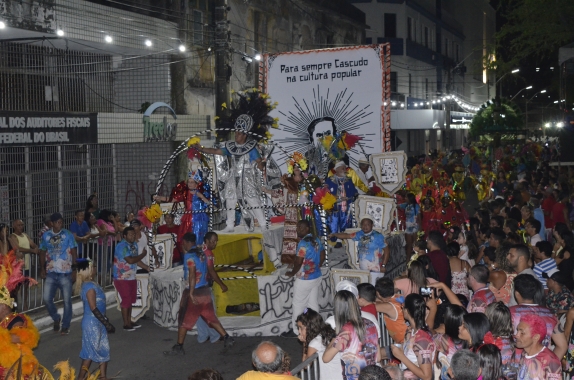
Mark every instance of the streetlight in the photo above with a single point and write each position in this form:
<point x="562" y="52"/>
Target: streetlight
<point x="559" y="124"/>
<point x="526" y="88"/>
<point x="526" y="105"/>
<point x="500" y="87"/>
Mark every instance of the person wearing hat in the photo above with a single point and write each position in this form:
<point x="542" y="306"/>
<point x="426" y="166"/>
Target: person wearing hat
<point x="364" y="167"/>
<point x="372" y="251"/>
<point x="58" y="253"/>
<point x="559" y="298"/>
<point x="342" y="188"/>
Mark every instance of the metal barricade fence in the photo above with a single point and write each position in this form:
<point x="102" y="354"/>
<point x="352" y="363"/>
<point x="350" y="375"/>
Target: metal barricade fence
<point x="30" y="298"/>
<point x="309" y="369"/>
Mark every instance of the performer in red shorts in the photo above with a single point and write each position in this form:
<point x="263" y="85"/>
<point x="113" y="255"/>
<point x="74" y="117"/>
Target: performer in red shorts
<point x="196" y="299"/>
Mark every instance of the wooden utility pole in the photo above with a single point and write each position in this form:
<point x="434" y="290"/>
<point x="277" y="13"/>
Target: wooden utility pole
<point x="222" y="58"/>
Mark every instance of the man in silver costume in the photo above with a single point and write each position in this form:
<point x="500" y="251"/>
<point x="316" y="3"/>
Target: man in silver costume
<point x="241" y="167"/>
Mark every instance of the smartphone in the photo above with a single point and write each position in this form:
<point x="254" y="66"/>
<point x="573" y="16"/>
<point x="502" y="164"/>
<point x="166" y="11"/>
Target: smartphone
<point x="425" y="292"/>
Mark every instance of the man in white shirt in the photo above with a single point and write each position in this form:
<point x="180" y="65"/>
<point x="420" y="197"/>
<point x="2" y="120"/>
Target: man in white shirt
<point x="532" y="230"/>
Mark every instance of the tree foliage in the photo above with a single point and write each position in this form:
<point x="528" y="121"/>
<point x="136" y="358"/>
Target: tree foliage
<point x="498" y="117"/>
<point x="534" y="29"/>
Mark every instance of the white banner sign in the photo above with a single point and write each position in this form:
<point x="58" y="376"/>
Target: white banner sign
<point x="321" y="92"/>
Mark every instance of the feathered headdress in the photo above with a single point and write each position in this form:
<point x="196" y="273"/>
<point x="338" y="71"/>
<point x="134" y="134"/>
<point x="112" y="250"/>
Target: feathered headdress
<point x="250" y="113"/>
<point x="11" y="276"/>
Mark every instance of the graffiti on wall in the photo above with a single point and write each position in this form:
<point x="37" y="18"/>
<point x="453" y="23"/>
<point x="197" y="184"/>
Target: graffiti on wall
<point x="138" y="194"/>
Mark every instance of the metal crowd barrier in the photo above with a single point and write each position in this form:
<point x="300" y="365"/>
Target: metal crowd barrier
<point x="309" y="369"/>
<point x="29" y="298"/>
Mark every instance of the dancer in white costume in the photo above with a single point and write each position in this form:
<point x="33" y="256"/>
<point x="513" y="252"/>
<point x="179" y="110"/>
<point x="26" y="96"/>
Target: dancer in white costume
<point x="243" y="165"/>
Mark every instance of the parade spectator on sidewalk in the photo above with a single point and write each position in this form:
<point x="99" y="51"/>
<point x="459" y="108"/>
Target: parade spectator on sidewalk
<point x="543" y="253"/>
<point x="268" y="359"/>
<point x="391" y="309"/>
<point x="565" y="258"/>
<point x="307" y="271"/>
<point x="356" y="340"/>
<point x="106" y="241"/>
<point x="465" y="365"/>
<point x="5" y="245"/>
<point x="529" y="295"/>
<point x="126" y="261"/>
<point x="95" y="233"/>
<point x="459" y="269"/>
<point x="58" y="251"/>
<point x="482" y="297"/>
<point x="439" y="259"/>
<point x="81" y="231"/>
<point x="532" y="228"/>
<point x="559" y="299"/>
<point x="449" y="342"/>
<point x="23" y="244"/>
<point x="92" y="206"/>
<point x="519" y="260"/>
<point x="536" y="360"/>
<point x="538" y="214"/>
<point x="501" y="328"/>
<point x="560" y="210"/>
<point x="316" y="335"/>
<point x="416" y="279"/>
<point x="418" y="351"/>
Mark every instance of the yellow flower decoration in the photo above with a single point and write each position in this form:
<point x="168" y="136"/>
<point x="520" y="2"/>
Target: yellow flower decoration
<point x="299" y="159"/>
<point x="328" y="201"/>
<point x="224" y="106"/>
<point x="268" y="135"/>
<point x="153" y="214"/>
<point x="193" y="141"/>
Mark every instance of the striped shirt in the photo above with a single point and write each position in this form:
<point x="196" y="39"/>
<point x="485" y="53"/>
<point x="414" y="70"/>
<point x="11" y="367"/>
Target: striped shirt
<point x="544" y="266"/>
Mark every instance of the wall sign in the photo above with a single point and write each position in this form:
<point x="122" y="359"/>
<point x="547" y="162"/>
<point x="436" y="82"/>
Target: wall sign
<point x="162" y="131"/>
<point x="47" y="128"/>
<point x="324" y="92"/>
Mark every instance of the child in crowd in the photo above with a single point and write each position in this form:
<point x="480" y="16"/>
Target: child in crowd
<point x="367" y="297"/>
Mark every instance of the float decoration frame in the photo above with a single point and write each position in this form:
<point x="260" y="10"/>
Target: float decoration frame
<point x="390" y="182"/>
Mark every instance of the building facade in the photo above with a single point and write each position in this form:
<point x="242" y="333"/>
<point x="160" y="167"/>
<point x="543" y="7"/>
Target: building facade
<point x="76" y="76"/>
<point x="438" y="48"/>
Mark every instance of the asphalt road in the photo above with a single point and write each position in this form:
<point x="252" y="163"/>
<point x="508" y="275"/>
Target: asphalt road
<point x="139" y="354"/>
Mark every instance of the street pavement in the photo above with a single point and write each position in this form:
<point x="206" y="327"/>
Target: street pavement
<point x="139" y="354"/>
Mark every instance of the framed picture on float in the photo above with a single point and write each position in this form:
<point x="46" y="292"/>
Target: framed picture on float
<point x="389" y="170"/>
<point x="164" y="245"/>
<point x="175" y="208"/>
<point x="380" y="209"/>
<point x="355" y="276"/>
